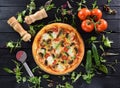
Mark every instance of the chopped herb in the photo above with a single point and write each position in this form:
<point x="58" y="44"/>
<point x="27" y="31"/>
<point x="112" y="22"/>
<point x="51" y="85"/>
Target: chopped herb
<point x="46" y="76"/>
<point x="106" y="41"/>
<point x="13" y="45"/>
<point x="103" y="68"/>
<point x="31" y="7"/>
<point x="88" y="77"/>
<point x="75" y="76"/>
<point x="94" y="5"/>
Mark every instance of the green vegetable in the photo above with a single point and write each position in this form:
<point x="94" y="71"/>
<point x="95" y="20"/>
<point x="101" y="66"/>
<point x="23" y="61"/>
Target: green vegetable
<point x="8" y="70"/>
<point x="106" y="41"/>
<point x="88" y="77"/>
<point x="46" y="76"/>
<point x="103" y="68"/>
<point x="109" y="1"/>
<point x="88" y="65"/>
<point x="95" y="55"/>
<point x="31" y="6"/>
<point x="35" y="81"/>
<point x="94" y="5"/>
<point x="13" y="45"/>
<point x="66" y="85"/>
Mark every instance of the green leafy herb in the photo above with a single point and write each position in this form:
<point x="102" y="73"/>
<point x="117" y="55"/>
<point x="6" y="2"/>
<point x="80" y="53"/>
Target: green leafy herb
<point x="8" y="70"/>
<point x="94" y="5"/>
<point x="88" y="77"/>
<point x="75" y="76"/>
<point x="46" y="76"/>
<point x="66" y="85"/>
<point x="109" y="1"/>
<point x="106" y="41"/>
<point x="35" y="81"/>
<point x="20" y="16"/>
<point x="49" y="7"/>
<point x="13" y="45"/>
<point x="82" y="3"/>
<point x="31" y="7"/>
<point x="32" y="31"/>
<point x="103" y="68"/>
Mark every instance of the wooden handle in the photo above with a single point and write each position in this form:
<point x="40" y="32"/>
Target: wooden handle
<point x="18" y="28"/>
<point x="36" y="16"/>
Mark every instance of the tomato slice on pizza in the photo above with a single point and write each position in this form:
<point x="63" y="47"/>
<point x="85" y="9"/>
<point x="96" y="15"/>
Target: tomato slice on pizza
<point x="58" y="48"/>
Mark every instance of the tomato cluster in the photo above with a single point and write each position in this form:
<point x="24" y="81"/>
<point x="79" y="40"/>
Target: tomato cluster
<point x="92" y="20"/>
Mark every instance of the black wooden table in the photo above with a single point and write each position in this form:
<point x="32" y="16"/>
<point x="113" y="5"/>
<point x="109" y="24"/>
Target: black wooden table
<point x="10" y="8"/>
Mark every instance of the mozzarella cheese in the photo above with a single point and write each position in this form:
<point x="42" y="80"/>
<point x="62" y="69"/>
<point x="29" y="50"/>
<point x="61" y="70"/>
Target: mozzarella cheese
<point x="71" y="52"/>
<point x="45" y="36"/>
<point x="58" y="50"/>
<point x="50" y="60"/>
<point x="54" y="35"/>
<point x="60" y="67"/>
<point x="54" y="44"/>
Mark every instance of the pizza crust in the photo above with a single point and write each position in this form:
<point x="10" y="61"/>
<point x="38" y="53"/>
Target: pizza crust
<point x="35" y="45"/>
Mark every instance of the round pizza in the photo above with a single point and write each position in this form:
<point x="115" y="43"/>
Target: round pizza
<point x="58" y="48"/>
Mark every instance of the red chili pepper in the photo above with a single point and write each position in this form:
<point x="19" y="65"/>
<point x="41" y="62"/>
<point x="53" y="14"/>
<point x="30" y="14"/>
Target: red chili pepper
<point x="47" y="55"/>
<point x="54" y="62"/>
<point x="55" y="29"/>
<point x="64" y="57"/>
<point x="65" y="49"/>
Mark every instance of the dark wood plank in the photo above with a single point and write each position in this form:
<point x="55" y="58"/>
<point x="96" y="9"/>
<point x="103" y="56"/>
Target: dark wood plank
<point x="103" y="82"/>
<point x="6" y="12"/>
<point x="5" y="37"/>
<point x="8" y="81"/>
<point x="12" y="11"/>
<point x="4" y="27"/>
<point x="41" y="2"/>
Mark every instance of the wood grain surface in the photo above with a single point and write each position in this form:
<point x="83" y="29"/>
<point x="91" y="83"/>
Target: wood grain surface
<point x="10" y="8"/>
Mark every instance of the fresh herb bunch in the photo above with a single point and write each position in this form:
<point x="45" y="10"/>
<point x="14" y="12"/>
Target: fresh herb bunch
<point x="13" y="45"/>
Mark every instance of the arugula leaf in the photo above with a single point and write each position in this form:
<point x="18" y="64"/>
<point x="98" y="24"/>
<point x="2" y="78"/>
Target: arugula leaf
<point x="31" y="6"/>
<point x="109" y="1"/>
<point x="94" y="5"/>
<point x="75" y="76"/>
<point x="106" y="41"/>
<point x="46" y="76"/>
<point x="103" y="68"/>
<point x="8" y="70"/>
<point x="66" y="85"/>
<point x="88" y="77"/>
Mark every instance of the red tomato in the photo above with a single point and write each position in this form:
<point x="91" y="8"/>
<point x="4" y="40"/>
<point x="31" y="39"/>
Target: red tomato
<point x="87" y="25"/>
<point x="84" y="13"/>
<point x="96" y="14"/>
<point x="101" y="25"/>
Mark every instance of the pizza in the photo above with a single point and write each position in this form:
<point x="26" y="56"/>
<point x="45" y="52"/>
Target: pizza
<point x="58" y="48"/>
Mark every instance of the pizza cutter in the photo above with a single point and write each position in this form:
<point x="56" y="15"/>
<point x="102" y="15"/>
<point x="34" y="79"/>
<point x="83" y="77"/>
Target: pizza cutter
<point x="21" y="56"/>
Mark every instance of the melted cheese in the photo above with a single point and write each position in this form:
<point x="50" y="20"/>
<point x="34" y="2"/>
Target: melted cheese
<point x="54" y="35"/>
<point x="45" y="36"/>
<point x="58" y="50"/>
<point x="71" y="52"/>
<point x="60" y="67"/>
<point x="54" y="44"/>
<point x="50" y="60"/>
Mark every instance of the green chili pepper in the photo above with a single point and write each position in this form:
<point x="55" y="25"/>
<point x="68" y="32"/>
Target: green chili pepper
<point x="88" y="65"/>
<point x="95" y="55"/>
